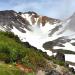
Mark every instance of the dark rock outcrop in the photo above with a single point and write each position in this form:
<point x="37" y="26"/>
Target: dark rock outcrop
<point x="58" y="42"/>
<point x="10" y="18"/>
<point x="60" y="56"/>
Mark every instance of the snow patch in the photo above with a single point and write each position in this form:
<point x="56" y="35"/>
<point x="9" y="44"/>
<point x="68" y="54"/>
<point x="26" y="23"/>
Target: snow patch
<point x="72" y="66"/>
<point x="70" y="57"/>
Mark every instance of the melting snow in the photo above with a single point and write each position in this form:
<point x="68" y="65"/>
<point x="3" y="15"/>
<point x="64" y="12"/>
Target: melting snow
<point x="68" y="46"/>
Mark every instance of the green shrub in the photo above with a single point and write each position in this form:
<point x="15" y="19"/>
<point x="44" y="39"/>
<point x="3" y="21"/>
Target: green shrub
<point x="13" y="50"/>
<point x="62" y="63"/>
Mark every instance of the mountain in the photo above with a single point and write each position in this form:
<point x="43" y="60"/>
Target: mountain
<point x="29" y="26"/>
<point x="45" y="33"/>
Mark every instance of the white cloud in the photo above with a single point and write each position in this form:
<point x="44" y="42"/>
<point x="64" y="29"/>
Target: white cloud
<point x="54" y="8"/>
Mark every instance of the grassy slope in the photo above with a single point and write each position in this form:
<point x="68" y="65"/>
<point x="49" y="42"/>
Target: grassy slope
<point x="6" y="69"/>
<point x="12" y="50"/>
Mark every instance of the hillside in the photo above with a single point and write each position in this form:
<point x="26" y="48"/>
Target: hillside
<point x="18" y="58"/>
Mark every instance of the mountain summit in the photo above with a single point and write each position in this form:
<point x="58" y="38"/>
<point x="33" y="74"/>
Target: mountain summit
<point x="28" y="24"/>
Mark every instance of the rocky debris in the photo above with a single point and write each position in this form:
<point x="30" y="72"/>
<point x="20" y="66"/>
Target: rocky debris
<point x="68" y="73"/>
<point x="53" y="72"/>
<point x="40" y="72"/>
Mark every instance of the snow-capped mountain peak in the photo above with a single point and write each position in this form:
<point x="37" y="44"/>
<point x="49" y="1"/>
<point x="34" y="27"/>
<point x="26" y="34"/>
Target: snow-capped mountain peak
<point x="43" y="32"/>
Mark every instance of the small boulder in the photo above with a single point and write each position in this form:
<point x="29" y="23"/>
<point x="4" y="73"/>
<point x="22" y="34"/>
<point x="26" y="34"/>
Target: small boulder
<point x="71" y="69"/>
<point x="60" y="56"/>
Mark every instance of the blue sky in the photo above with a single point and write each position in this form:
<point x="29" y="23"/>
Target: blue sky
<point x="61" y="9"/>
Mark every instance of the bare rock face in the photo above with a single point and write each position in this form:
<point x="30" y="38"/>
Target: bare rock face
<point x="10" y="18"/>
